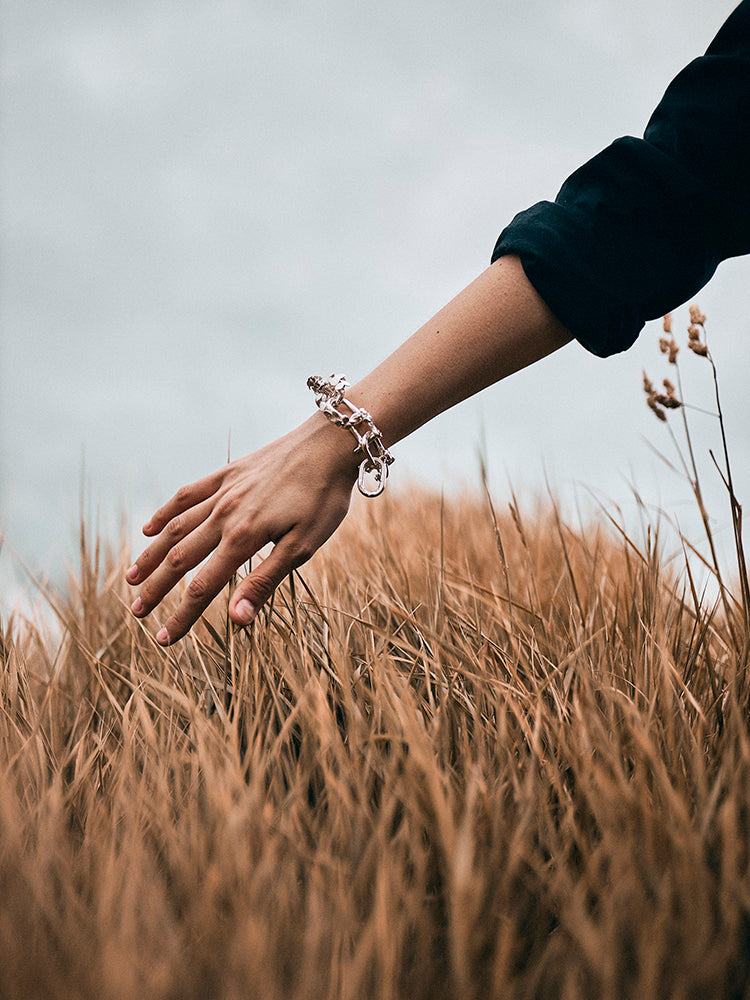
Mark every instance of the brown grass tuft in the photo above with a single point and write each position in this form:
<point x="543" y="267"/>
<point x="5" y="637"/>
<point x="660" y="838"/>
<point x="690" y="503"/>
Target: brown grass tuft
<point x="464" y="755"/>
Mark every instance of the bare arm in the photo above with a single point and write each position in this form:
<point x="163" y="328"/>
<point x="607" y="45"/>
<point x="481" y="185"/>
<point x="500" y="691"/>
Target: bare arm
<point x="494" y="327"/>
<point x="295" y="492"/>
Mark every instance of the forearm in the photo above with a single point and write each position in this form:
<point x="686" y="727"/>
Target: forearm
<point x="494" y="327"/>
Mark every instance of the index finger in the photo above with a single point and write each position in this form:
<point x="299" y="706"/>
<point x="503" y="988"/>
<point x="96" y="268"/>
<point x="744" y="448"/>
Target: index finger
<point x="185" y="498"/>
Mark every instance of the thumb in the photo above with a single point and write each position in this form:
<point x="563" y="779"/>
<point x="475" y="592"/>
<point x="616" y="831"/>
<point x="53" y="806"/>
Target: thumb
<point x="254" y="590"/>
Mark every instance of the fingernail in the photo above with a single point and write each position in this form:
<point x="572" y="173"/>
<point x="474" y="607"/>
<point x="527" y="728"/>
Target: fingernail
<point x="132" y="573"/>
<point x="162" y="636"/>
<point x="137" y="606"/>
<point x="245" y="611"/>
<point x="146" y="528"/>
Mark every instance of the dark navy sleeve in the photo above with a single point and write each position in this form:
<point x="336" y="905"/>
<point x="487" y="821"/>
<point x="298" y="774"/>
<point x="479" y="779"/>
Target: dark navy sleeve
<point x="642" y="226"/>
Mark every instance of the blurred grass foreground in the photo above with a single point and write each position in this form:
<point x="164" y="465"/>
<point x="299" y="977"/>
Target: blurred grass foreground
<point x="465" y="754"/>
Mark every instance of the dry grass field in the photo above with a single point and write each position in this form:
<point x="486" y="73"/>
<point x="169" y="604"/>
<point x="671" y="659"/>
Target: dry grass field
<point x="467" y="753"/>
<point x="453" y="759"/>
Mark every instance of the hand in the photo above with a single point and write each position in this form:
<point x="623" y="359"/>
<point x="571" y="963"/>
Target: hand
<point x="294" y="492"/>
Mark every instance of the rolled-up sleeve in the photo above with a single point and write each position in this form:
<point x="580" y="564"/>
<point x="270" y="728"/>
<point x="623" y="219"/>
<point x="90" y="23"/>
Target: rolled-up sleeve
<point x="643" y="225"/>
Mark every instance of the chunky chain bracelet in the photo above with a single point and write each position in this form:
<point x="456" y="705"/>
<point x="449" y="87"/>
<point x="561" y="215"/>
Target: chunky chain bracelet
<point x="329" y="398"/>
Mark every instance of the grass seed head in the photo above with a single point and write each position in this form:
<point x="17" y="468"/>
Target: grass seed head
<point x="695" y="344"/>
<point x="653" y="398"/>
<point x="652" y="401"/>
<point x="696" y="316"/>
<point x="669" y="347"/>
<point x="698" y="348"/>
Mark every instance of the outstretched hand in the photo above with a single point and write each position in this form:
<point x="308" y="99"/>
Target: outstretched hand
<point x="294" y="492"/>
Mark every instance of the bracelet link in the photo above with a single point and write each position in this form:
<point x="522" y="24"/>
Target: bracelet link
<point x="378" y="468"/>
<point x="373" y="469"/>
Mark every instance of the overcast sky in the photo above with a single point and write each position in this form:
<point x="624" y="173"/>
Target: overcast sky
<point x="204" y="202"/>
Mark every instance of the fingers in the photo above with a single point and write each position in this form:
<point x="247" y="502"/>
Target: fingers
<point x="255" y="589"/>
<point x="199" y="593"/>
<point x="184" y="499"/>
<point x="284" y="493"/>
<point x="180" y="560"/>
<point x="169" y="538"/>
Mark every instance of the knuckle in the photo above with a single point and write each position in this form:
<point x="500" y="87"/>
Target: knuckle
<point x="175" y="527"/>
<point x="177" y="626"/>
<point x="235" y="536"/>
<point x="176" y="557"/>
<point x="183" y="496"/>
<point x="301" y="551"/>
<point x="145" y="560"/>
<point x="197" y="590"/>
<point x="258" y="588"/>
<point x="157" y="520"/>
<point x="227" y="504"/>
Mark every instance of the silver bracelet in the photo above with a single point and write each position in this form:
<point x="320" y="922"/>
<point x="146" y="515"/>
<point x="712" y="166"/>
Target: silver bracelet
<point x="329" y="397"/>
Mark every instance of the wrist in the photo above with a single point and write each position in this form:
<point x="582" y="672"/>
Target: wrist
<point x="333" y="446"/>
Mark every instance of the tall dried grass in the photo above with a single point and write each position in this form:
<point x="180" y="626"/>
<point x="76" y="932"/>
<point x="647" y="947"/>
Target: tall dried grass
<point x="469" y="754"/>
<point x="465" y="756"/>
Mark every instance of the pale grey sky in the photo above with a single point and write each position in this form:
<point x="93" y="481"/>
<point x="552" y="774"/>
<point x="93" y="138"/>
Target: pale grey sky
<point x="204" y="202"/>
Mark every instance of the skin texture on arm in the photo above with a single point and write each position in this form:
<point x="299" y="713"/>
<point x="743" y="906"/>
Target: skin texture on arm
<point x="295" y="491"/>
